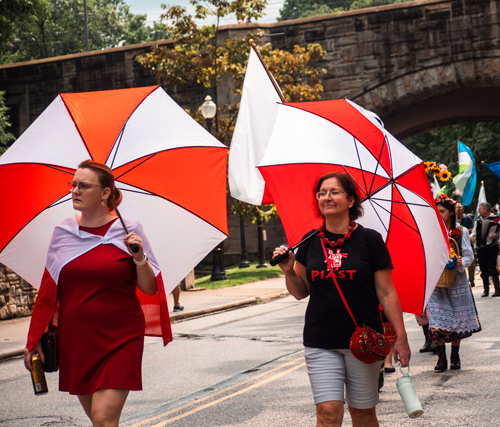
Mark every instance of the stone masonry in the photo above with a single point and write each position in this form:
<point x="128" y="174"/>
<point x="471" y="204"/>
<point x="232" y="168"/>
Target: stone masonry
<point x="17" y="296"/>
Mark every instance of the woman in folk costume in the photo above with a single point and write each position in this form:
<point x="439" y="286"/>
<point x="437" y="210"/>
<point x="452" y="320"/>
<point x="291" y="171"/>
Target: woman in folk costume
<point x="106" y="297"/>
<point x="452" y="311"/>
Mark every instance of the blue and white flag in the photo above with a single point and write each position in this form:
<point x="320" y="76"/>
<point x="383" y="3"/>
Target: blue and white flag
<point x="466" y="179"/>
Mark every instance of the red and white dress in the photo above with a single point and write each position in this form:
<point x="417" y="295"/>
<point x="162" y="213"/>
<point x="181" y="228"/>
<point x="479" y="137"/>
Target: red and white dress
<point x="102" y="315"/>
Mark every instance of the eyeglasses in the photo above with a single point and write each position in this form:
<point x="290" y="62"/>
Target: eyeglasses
<point x="82" y="186"/>
<point x="332" y="194"/>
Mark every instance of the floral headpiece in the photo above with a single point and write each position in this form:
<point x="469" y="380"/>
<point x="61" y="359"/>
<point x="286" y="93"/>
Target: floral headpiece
<point x="444" y="198"/>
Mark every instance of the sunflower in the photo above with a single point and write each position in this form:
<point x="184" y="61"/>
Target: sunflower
<point x="429" y="166"/>
<point x="444" y="175"/>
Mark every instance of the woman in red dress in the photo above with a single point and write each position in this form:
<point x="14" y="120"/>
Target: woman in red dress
<point x="101" y="324"/>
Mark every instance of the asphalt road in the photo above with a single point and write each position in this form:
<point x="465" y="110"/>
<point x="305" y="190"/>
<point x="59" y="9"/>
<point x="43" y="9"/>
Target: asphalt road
<point x="245" y="368"/>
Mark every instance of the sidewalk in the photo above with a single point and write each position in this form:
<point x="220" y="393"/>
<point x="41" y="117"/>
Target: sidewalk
<point x="13" y="332"/>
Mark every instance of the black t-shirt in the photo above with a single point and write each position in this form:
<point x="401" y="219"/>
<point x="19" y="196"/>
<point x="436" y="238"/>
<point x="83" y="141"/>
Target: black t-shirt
<point x="328" y="324"/>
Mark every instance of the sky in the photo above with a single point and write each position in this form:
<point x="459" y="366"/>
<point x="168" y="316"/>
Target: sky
<point x="153" y="10"/>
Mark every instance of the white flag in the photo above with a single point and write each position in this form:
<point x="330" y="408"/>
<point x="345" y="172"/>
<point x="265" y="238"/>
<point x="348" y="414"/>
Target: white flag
<point x="258" y="109"/>
<point x="435" y="188"/>
<point x="480" y="199"/>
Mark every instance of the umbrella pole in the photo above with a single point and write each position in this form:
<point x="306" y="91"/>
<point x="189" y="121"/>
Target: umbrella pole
<point x="133" y="247"/>
<point x="277" y="259"/>
<point x="271" y="77"/>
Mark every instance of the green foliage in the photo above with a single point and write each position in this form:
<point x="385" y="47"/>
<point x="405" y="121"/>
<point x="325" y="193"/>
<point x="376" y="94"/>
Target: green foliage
<point x="441" y="146"/>
<point x="5" y="137"/>
<point x="56" y="27"/>
<point x="14" y="13"/>
<point x="240" y="276"/>
<point x="252" y="212"/>
<point x="293" y="9"/>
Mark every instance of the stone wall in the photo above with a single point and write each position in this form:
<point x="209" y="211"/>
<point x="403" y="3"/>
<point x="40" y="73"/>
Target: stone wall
<point x="418" y="65"/>
<point x="17" y="296"/>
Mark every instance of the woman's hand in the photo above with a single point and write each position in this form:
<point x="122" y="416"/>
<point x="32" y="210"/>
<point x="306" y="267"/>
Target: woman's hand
<point x="131" y="239"/>
<point x="459" y="261"/>
<point x="146" y="280"/>
<point x="287" y="264"/>
<point x="402" y="352"/>
<point x="37" y="349"/>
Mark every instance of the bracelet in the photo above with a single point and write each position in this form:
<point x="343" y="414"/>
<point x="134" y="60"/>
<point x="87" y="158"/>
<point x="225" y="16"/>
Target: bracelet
<point x="144" y="261"/>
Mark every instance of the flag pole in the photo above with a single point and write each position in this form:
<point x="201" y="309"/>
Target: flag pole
<point x="251" y="42"/>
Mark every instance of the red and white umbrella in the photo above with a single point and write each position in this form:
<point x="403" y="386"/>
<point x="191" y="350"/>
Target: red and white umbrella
<point x="171" y="171"/>
<point x="313" y="138"/>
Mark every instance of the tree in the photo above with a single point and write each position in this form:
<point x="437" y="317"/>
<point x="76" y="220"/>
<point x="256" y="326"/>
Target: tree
<point x="441" y="146"/>
<point x="197" y="59"/>
<point x="14" y="13"/>
<point x="293" y="9"/>
<point x="56" y="27"/>
<point x="5" y="137"/>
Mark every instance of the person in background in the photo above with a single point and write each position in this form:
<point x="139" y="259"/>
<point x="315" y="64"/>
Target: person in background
<point x="487" y="256"/>
<point x="176" y="293"/>
<point x="423" y="321"/>
<point x="363" y="263"/>
<point x="391" y="337"/>
<point x="452" y="311"/>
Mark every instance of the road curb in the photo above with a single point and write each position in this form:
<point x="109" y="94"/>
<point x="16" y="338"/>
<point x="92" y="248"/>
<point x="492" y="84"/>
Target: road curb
<point x="11" y="353"/>
<point x="188" y="314"/>
<point x="248" y="301"/>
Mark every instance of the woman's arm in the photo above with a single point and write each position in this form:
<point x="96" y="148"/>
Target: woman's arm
<point x="295" y="279"/>
<point x="388" y="298"/>
<point x="146" y="280"/>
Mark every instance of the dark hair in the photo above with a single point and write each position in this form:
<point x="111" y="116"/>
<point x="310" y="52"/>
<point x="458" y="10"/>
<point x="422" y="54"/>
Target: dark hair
<point x="349" y="186"/>
<point x="106" y="179"/>
<point x="451" y="207"/>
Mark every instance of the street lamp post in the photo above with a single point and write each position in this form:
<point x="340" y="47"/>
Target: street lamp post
<point x="244" y="259"/>
<point x="86" y="25"/>
<point x="209" y="111"/>
<point x="260" y="243"/>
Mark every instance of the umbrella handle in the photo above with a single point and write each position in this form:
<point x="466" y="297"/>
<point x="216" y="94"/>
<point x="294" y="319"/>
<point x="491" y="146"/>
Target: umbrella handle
<point x="277" y="259"/>
<point x="280" y="258"/>
<point x="133" y="247"/>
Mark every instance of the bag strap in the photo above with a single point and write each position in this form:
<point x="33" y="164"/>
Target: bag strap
<point x="328" y="263"/>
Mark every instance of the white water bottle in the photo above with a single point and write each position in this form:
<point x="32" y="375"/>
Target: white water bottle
<point x="407" y="392"/>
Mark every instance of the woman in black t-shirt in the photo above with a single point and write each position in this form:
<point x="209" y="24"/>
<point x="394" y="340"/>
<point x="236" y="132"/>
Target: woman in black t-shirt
<point x="362" y="267"/>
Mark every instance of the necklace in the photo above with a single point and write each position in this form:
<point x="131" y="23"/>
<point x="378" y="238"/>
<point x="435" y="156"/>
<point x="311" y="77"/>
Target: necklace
<point x="340" y="241"/>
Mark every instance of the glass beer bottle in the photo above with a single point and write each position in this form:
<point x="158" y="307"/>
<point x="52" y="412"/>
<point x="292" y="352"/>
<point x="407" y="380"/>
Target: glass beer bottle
<point x="38" y="376"/>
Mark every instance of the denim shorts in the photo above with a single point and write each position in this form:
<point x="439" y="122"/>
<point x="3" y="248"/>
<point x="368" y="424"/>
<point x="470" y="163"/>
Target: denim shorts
<point x="330" y="370"/>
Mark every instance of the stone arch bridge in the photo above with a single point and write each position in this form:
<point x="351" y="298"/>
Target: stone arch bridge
<point x="419" y="65"/>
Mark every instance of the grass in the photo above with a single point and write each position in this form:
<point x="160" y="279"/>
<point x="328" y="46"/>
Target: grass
<point x="239" y="276"/>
